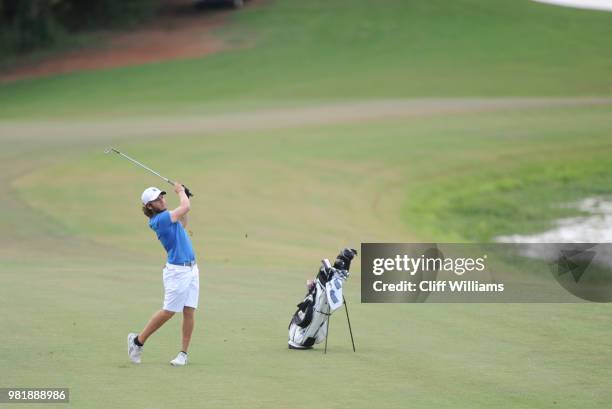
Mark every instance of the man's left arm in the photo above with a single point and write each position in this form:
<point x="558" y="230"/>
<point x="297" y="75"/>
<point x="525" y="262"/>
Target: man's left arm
<point x="184" y="220"/>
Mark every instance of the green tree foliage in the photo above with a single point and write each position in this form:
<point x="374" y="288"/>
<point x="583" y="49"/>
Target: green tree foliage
<point x="28" y="24"/>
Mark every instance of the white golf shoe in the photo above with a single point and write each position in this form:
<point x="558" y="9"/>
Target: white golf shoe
<point x="180" y="360"/>
<point x="134" y="351"/>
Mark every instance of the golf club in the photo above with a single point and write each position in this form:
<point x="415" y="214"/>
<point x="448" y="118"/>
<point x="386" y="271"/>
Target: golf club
<point x="109" y="150"/>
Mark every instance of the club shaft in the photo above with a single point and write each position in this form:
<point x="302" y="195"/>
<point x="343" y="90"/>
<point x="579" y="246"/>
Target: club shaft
<point x="142" y="165"/>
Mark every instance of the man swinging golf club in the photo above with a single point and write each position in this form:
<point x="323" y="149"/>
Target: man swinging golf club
<point x="181" y="275"/>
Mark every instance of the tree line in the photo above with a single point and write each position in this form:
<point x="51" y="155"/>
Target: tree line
<point x="29" y="24"/>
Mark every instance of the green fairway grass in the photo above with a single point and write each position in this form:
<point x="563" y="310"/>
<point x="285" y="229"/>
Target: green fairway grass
<point x="295" y="147"/>
<point x="89" y="269"/>
<point x="468" y="177"/>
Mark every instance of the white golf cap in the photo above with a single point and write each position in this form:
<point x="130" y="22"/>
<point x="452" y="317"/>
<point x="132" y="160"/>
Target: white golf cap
<point x="150" y="194"/>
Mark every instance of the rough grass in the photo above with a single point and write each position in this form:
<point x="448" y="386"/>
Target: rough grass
<point x="321" y="50"/>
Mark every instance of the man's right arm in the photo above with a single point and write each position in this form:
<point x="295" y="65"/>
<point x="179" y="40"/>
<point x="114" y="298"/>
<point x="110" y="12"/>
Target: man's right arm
<point x="183" y="208"/>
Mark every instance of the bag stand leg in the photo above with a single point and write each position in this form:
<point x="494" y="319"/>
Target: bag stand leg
<point x="349" y="325"/>
<point x="327" y="336"/>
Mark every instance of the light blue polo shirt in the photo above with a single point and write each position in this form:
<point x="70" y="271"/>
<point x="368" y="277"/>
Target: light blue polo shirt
<point x="173" y="237"/>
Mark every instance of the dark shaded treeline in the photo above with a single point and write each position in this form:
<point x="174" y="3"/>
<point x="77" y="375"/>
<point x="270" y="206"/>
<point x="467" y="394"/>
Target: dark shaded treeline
<point x="30" y="24"/>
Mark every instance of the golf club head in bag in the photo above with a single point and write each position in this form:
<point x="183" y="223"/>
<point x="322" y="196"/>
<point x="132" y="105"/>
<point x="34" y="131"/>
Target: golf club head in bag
<point x="307" y="326"/>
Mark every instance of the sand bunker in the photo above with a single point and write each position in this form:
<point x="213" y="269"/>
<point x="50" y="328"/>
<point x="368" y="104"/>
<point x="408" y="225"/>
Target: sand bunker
<point x="581" y="4"/>
<point x="594" y="228"/>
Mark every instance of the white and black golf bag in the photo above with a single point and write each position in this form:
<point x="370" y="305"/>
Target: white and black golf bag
<point x="307" y="326"/>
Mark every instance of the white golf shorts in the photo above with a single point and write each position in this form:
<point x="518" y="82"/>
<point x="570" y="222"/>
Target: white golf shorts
<point x="181" y="287"/>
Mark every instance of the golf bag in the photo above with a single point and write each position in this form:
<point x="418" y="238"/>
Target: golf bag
<point x="307" y="326"/>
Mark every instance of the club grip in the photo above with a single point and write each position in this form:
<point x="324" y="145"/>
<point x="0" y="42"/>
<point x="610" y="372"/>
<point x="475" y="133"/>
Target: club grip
<point x="187" y="191"/>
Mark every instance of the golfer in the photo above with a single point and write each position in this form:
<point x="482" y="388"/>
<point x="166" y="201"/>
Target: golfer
<point x="181" y="275"/>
